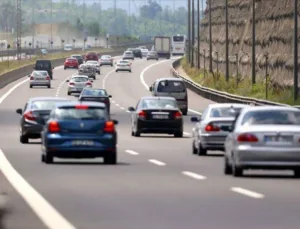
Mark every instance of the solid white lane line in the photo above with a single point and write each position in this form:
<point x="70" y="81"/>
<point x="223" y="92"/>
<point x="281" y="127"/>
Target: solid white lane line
<point x="128" y="111"/>
<point x="131" y="152"/>
<point x="44" y="210"/>
<point x="196" y="112"/>
<point x="186" y="133"/>
<point x="194" y="175"/>
<point x="12" y="89"/>
<point x="113" y="101"/>
<point x="247" y="192"/>
<point x="159" y="163"/>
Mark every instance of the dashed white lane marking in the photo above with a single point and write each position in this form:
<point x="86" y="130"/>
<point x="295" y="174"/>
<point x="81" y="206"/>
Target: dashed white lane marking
<point x="44" y="210"/>
<point x="131" y="152"/>
<point x="247" y="192"/>
<point x="113" y="101"/>
<point x="122" y="108"/>
<point x="194" y="175"/>
<point x="117" y="104"/>
<point x="142" y="79"/>
<point x="156" y="162"/>
<point x="128" y="111"/>
<point x="186" y="133"/>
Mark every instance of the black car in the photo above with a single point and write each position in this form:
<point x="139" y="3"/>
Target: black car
<point x="96" y="95"/>
<point x="160" y="115"/>
<point x="45" y="65"/>
<point x="79" y="58"/>
<point x="35" y="114"/>
<point x="137" y="53"/>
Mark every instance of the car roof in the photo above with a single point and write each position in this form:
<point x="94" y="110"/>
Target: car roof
<point x="48" y="98"/>
<point x="79" y="76"/>
<point x="43" y="61"/>
<point x="74" y="103"/>
<point x="158" y="98"/>
<point x="220" y="105"/>
<point x="128" y="51"/>
<point x="169" y="79"/>
<point x="76" y="55"/>
<point x="269" y="108"/>
<point x="41" y="71"/>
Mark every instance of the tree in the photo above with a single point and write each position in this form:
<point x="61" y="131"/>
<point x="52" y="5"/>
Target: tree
<point x="151" y="10"/>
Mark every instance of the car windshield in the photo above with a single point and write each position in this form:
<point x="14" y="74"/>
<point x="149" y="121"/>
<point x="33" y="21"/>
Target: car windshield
<point x="128" y="52"/>
<point x="80" y="79"/>
<point x="39" y="74"/>
<point x="272" y="117"/>
<point x="159" y="103"/>
<point x="92" y="62"/>
<point x="94" y="92"/>
<point x="225" y="112"/>
<point x="71" y="113"/>
<point x="45" y="104"/>
<point x="152" y="52"/>
<point x="171" y="86"/>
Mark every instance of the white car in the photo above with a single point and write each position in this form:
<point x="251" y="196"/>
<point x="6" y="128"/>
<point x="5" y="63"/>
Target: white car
<point x="128" y="55"/>
<point x="106" y="60"/>
<point x="77" y="83"/>
<point x="95" y="64"/>
<point x="144" y="52"/>
<point x="123" y="65"/>
<point x="39" y="78"/>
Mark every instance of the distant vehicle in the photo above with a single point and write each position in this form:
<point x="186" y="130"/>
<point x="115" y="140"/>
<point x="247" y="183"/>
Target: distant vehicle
<point x="106" y="60"/>
<point x="45" y="65"/>
<point x="71" y="63"/>
<point x="130" y="49"/>
<point x="88" y="70"/>
<point x="78" y="57"/>
<point x="39" y="78"/>
<point x="96" y="95"/>
<point x="213" y="127"/>
<point x="44" y="51"/>
<point x="144" y="52"/>
<point x="156" y="115"/>
<point x="123" y="65"/>
<point x="142" y="47"/>
<point x="35" y="115"/>
<point x="178" y="44"/>
<point x="79" y="130"/>
<point x="137" y="53"/>
<point x="172" y="87"/>
<point x="68" y="47"/>
<point x="77" y="83"/>
<point x="162" y="46"/>
<point x="128" y="55"/>
<point x="263" y="137"/>
<point x="91" y="56"/>
<point x="152" y="55"/>
<point x="95" y="64"/>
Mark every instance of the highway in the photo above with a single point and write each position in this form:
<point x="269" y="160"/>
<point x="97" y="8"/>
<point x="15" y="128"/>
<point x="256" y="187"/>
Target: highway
<point x="157" y="184"/>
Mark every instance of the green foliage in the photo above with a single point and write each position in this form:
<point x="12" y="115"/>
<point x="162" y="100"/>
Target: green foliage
<point x="241" y="87"/>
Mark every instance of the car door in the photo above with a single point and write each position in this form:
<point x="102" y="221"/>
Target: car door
<point x="197" y="128"/>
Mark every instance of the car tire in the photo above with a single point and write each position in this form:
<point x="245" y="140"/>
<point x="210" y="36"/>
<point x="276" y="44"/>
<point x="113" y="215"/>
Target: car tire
<point x="147" y="59"/>
<point x="201" y="150"/>
<point x="156" y="59"/>
<point x="24" y="139"/>
<point x="43" y="158"/>
<point x="185" y="112"/>
<point x="49" y="86"/>
<point x="297" y="173"/>
<point x="194" y="149"/>
<point x="227" y="167"/>
<point x="111" y="65"/>
<point x="178" y="134"/>
<point x="65" y="68"/>
<point x="236" y="171"/>
<point x="48" y="158"/>
<point x="69" y="93"/>
<point x="30" y="86"/>
<point x="116" y="70"/>
<point x="129" y="70"/>
<point x="110" y="159"/>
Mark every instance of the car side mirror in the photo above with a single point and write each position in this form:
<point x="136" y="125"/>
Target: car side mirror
<point x="109" y="96"/>
<point x="19" y="111"/>
<point x="150" y="88"/>
<point x="67" y="81"/>
<point x="116" y="122"/>
<point x="195" y="119"/>
<point x="131" y="109"/>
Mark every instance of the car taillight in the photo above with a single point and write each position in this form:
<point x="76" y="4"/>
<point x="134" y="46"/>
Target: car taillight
<point x="53" y="127"/>
<point x="178" y="115"/>
<point x="89" y="83"/>
<point x="71" y="84"/>
<point x="247" y="138"/>
<point x="81" y="107"/>
<point x="29" y="116"/>
<point x="109" y="127"/>
<point x="31" y="78"/>
<point x="47" y="78"/>
<point x="211" y="128"/>
<point x="142" y="115"/>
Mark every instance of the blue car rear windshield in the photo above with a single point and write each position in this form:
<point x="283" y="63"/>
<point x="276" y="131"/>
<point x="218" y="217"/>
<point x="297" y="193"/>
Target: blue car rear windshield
<point x="92" y="113"/>
<point x="45" y="104"/>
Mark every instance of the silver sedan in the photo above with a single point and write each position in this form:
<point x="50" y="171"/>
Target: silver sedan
<point x="212" y="128"/>
<point x="77" y="83"/>
<point x="264" y="138"/>
<point x="39" y="78"/>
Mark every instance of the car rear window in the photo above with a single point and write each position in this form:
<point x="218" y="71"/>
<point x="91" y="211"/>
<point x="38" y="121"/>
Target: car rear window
<point x="225" y="112"/>
<point x="40" y="74"/>
<point x="128" y="52"/>
<point x="71" y="59"/>
<point x="71" y="113"/>
<point x="171" y="86"/>
<point x="79" y="79"/>
<point x="92" y="62"/>
<point x="94" y="93"/>
<point x="45" y="104"/>
<point x="272" y="117"/>
<point x="43" y="65"/>
<point x="105" y="57"/>
<point x="124" y="62"/>
<point x="159" y="104"/>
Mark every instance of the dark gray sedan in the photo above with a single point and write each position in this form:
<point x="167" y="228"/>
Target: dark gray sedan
<point x="34" y="115"/>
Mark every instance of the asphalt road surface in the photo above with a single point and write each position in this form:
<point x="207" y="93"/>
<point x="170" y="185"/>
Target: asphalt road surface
<point x="157" y="184"/>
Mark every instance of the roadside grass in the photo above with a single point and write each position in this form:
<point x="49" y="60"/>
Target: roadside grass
<point x="7" y="66"/>
<point x="241" y="86"/>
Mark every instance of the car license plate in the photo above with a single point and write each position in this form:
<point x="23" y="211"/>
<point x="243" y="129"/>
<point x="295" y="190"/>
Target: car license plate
<point x="82" y="143"/>
<point x="157" y="116"/>
<point x="39" y="79"/>
<point x="278" y="139"/>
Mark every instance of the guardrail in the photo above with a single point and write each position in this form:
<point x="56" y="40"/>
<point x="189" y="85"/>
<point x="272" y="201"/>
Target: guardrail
<point x="14" y="75"/>
<point x="219" y="96"/>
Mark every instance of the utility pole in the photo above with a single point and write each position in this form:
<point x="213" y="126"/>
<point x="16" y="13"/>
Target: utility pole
<point x="129" y="14"/>
<point x="193" y="32"/>
<point x="100" y="20"/>
<point x="198" y="34"/>
<point x="210" y="39"/>
<point x="33" y="24"/>
<point x="51" y="36"/>
<point x="19" y="29"/>
<point x="189" y="31"/>
<point x="295" y="50"/>
<point x="226" y="40"/>
<point x="160" y="29"/>
<point x="253" y="44"/>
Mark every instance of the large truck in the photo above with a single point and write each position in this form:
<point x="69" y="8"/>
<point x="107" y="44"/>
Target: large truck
<point x="162" y="45"/>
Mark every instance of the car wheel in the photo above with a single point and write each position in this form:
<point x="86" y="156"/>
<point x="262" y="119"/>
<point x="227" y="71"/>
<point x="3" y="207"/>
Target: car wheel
<point x="227" y="167"/>
<point x="157" y="59"/>
<point x="184" y="112"/>
<point x="201" y="150"/>
<point x="297" y="173"/>
<point x="64" y="68"/>
<point x="42" y="158"/>
<point x="110" y="159"/>
<point x="116" y="70"/>
<point x="49" y="86"/>
<point x="147" y="59"/>
<point x="178" y="135"/>
<point x="48" y="158"/>
<point x="30" y="86"/>
<point x="194" y="148"/>
<point x="236" y="171"/>
<point x="111" y="65"/>
<point x="24" y="139"/>
<point x="69" y="93"/>
<point x="129" y="70"/>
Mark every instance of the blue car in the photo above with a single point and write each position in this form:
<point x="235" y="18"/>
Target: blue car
<point x="79" y="130"/>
